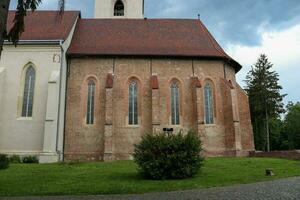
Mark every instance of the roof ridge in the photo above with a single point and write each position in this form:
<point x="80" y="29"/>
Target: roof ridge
<point x="48" y="11"/>
<point x="141" y="19"/>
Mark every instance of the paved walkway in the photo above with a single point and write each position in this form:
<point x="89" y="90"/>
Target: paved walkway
<point x="286" y="189"/>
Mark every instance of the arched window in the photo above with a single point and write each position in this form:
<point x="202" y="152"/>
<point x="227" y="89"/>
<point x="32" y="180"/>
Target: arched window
<point x="119" y="8"/>
<point x="175" y="110"/>
<point x="90" y="102"/>
<point x="133" y="104"/>
<point x="28" y="92"/>
<point x="209" y="104"/>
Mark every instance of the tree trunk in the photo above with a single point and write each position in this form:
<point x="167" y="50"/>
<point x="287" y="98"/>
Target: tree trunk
<point x="4" y="6"/>
<point x="267" y="130"/>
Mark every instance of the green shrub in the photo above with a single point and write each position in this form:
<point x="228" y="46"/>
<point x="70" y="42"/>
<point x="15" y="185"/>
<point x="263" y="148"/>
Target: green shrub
<point x="175" y="156"/>
<point x="30" y="159"/>
<point x="4" y="161"/>
<point x="15" y="159"/>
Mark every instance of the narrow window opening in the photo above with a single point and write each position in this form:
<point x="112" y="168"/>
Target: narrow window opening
<point x="133" y="104"/>
<point x="209" y="104"/>
<point x="119" y="8"/>
<point x="28" y="94"/>
<point x="175" y="111"/>
<point x="90" y="103"/>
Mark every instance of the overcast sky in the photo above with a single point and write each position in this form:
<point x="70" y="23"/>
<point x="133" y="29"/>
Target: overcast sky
<point x="244" y="28"/>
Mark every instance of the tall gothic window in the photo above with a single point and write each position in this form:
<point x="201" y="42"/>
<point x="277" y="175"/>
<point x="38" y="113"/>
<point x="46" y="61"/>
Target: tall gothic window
<point x="90" y="102"/>
<point x="175" y="115"/>
<point x="119" y="8"/>
<point x="133" y="104"/>
<point x="209" y="104"/>
<point x="28" y="92"/>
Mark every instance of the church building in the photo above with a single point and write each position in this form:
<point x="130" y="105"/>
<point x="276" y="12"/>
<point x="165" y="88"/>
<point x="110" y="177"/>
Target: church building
<point x="118" y="77"/>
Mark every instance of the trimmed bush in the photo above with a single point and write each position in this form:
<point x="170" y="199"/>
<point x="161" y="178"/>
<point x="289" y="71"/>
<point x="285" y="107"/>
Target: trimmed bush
<point x="15" y="159"/>
<point x="4" y="161"/>
<point x="175" y="156"/>
<point x="30" y="159"/>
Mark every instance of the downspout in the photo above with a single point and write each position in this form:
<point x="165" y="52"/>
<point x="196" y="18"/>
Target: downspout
<point x="151" y="69"/>
<point x="224" y="69"/>
<point x="59" y="97"/>
<point x="114" y="64"/>
<point x="65" y="111"/>
<point x="193" y="67"/>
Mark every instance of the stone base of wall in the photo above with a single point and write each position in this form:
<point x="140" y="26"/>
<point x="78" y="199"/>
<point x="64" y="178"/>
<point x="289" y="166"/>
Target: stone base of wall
<point x="127" y="156"/>
<point x="293" y="155"/>
<point x="49" y="158"/>
<point x="83" y="156"/>
<point x="228" y="153"/>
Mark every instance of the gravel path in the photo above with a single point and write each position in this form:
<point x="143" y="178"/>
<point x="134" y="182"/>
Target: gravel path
<point x="285" y="189"/>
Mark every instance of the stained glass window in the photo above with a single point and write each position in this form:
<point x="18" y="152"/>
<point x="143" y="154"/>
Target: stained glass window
<point x="28" y="94"/>
<point x="175" y="115"/>
<point x="209" y="104"/>
<point x="133" y="104"/>
<point x="90" y="102"/>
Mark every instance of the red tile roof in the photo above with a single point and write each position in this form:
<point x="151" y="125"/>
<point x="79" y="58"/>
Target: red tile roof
<point x="145" y="37"/>
<point x="46" y="25"/>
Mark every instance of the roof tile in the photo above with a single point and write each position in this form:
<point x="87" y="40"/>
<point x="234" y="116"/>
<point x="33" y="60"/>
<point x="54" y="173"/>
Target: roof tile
<point x="46" y="25"/>
<point x="145" y="37"/>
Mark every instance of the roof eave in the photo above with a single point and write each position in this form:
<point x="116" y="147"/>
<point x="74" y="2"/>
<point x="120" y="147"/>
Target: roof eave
<point x="231" y="62"/>
<point x="36" y="42"/>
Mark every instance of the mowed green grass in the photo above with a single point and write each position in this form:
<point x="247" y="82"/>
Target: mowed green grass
<point x="121" y="177"/>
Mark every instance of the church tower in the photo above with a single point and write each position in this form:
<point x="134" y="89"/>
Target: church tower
<point x="119" y="9"/>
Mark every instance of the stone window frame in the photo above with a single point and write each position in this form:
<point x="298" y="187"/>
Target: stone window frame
<point x="22" y="90"/>
<point x="139" y="101"/>
<point x="180" y="113"/>
<point x="175" y="103"/>
<point x="90" y="108"/>
<point x="213" y="95"/>
<point x="84" y="96"/>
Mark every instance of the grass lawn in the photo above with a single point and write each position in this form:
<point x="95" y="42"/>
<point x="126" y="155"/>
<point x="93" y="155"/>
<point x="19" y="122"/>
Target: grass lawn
<point x="121" y="177"/>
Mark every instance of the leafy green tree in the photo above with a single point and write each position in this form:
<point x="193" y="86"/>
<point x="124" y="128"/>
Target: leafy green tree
<point x="292" y="125"/>
<point x="18" y="28"/>
<point x="276" y="133"/>
<point x="265" y="100"/>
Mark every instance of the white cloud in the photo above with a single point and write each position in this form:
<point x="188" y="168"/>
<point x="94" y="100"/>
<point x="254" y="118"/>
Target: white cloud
<point x="283" y="50"/>
<point x="49" y="4"/>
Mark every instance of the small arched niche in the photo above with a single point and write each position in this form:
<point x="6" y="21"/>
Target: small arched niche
<point x="119" y="8"/>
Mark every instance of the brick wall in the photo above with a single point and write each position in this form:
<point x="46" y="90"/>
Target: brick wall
<point x="89" y="142"/>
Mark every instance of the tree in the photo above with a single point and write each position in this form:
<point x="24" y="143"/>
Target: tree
<point x="18" y="28"/>
<point x="4" y="6"/>
<point x="265" y="100"/>
<point x="276" y="133"/>
<point x="292" y="125"/>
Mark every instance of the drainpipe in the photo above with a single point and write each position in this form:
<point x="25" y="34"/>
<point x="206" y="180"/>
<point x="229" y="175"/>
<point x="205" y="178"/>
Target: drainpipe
<point x="193" y="67"/>
<point x="59" y="97"/>
<point x="224" y="68"/>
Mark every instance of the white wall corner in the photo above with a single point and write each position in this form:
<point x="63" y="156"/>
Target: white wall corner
<point x="63" y="77"/>
<point x="51" y="127"/>
<point x="2" y="83"/>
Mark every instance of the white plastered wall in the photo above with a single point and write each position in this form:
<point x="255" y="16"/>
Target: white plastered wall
<point x="41" y="135"/>
<point x="2" y="81"/>
<point x="24" y="136"/>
